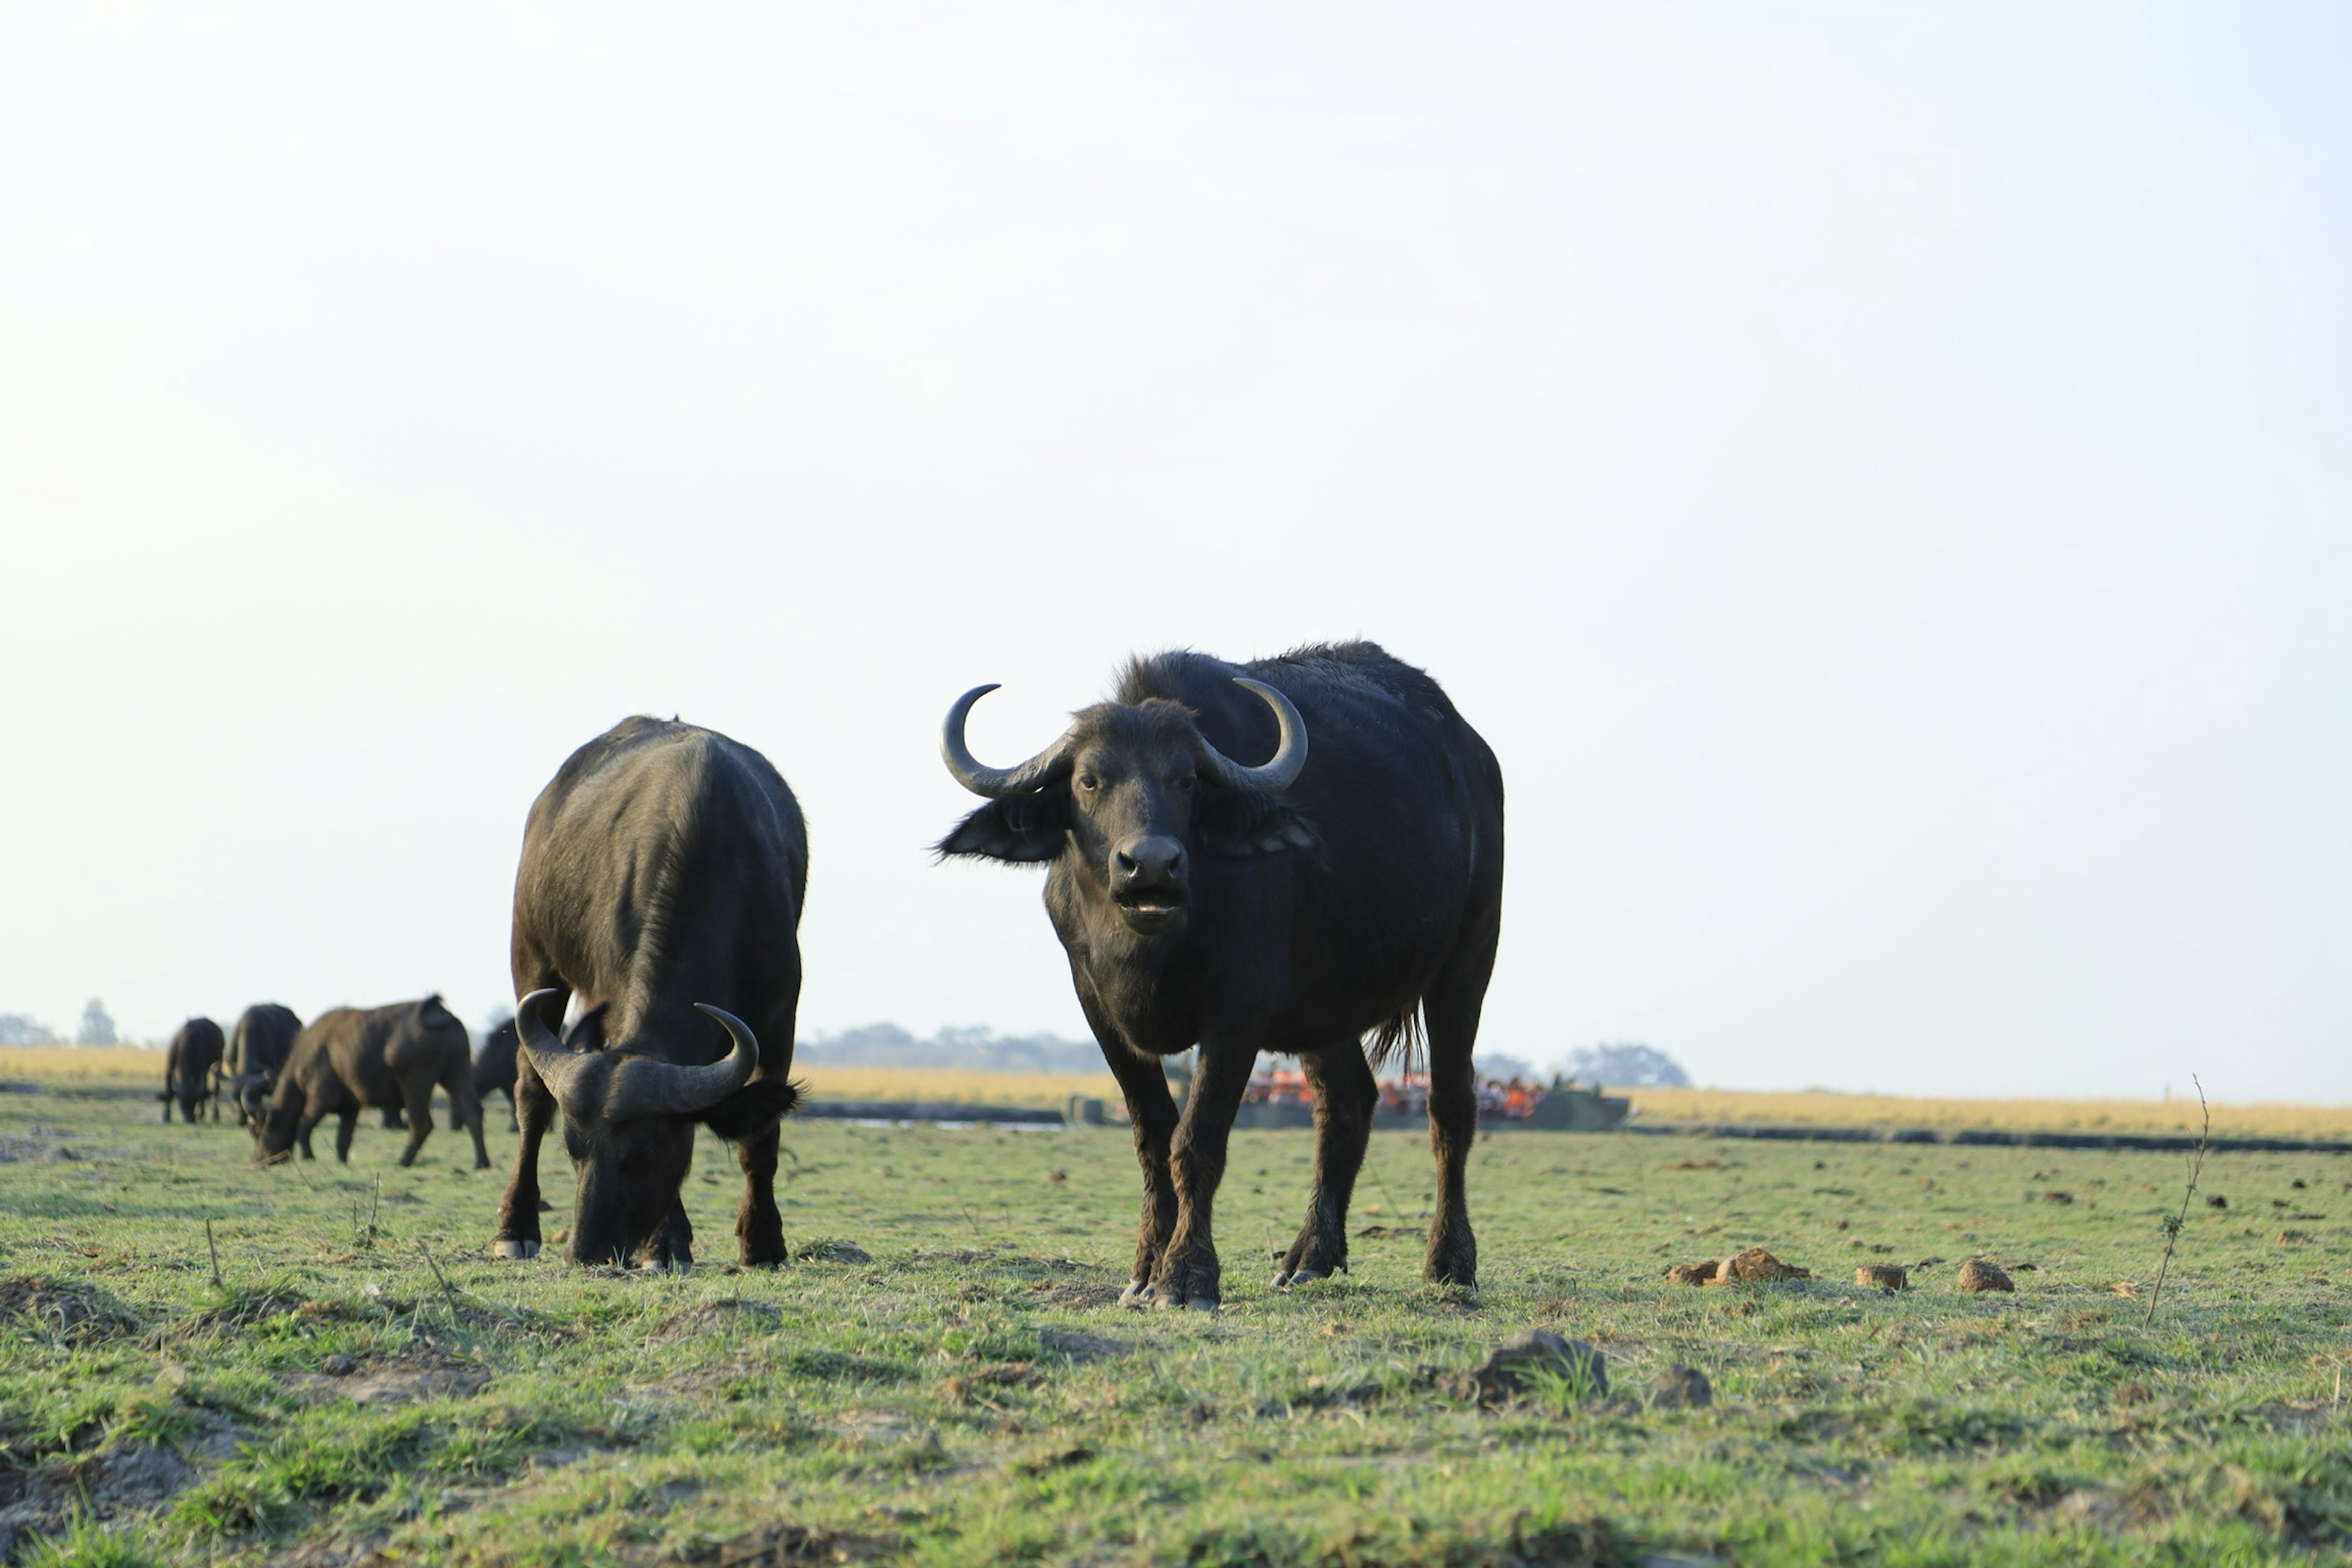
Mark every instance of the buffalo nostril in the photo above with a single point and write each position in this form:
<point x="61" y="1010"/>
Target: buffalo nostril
<point x="1126" y="862"/>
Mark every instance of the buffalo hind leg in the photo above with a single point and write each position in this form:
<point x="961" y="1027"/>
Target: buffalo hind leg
<point x="466" y="1110"/>
<point x="1450" y="1011"/>
<point x="1346" y="1094"/>
<point x="1188" y="1274"/>
<point x="417" y="1097"/>
<point x="758" y="1222"/>
<point x="346" y="1123"/>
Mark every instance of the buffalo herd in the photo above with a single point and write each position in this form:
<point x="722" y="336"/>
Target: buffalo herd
<point x="1339" y="900"/>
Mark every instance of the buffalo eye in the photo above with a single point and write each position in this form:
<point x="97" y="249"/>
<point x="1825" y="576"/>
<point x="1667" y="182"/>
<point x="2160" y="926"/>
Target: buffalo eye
<point x="1087" y="781"/>
<point x="1189" y="783"/>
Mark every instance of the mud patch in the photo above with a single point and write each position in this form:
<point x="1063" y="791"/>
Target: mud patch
<point x="1074" y="1294"/>
<point x="126" y="1479"/>
<point x="80" y="1314"/>
<point x="422" y="1373"/>
<point x="1084" y="1347"/>
<point x="788" y="1543"/>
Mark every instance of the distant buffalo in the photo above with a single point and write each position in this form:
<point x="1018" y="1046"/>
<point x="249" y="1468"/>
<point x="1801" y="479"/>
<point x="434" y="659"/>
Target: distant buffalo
<point x="257" y="1048"/>
<point x="189" y="1066"/>
<point x="494" y="1070"/>
<point x="1308" y="908"/>
<point x="663" y="869"/>
<point x="351" y="1058"/>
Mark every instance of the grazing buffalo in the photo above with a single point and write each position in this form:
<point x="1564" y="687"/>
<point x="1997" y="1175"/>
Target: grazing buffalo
<point x="494" y="1071"/>
<point x="663" y="869"/>
<point x="189" y="1066"/>
<point x="351" y="1057"/>
<point x="1333" y="910"/>
<point x="257" y="1048"/>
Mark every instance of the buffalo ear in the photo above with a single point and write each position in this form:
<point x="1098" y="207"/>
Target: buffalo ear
<point x="1019" y="828"/>
<point x="1247" y="822"/>
<point x="753" y="1109"/>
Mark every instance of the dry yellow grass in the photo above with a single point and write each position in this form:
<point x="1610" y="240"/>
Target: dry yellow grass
<point x="1038" y="1089"/>
<point x="71" y="1066"/>
<point x="2176" y="1115"/>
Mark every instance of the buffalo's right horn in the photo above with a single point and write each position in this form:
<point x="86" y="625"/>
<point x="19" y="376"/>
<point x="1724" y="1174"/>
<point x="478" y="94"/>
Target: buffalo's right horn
<point x="642" y="1087"/>
<point x="1276" y="773"/>
<point x="557" y="1064"/>
<point x="978" y="776"/>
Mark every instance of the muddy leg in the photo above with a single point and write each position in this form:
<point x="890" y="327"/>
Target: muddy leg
<point x="758" y="1222"/>
<point x="1188" y="1274"/>
<point x="1345" y="1096"/>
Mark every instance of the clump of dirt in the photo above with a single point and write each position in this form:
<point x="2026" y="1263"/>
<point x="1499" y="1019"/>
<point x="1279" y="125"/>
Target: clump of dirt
<point x="1979" y="1275"/>
<point x="243" y="1310"/>
<point x="1692" y="1273"/>
<point x="717" y="1317"/>
<point x="1512" y="1368"/>
<point x="81" y="1314"/>
<point x="1757" y="1267"/>
<point x="1883" y="1277"/>
<point x="973" y="1386"/>
<point x="1083" y="1347"/>
<point x="835" y="1252"/>
<point x="2294" y="1238"/>
<point x="1681" y="1387"/>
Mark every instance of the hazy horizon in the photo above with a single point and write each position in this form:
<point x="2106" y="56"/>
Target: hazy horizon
<point x="1875" y="476"/>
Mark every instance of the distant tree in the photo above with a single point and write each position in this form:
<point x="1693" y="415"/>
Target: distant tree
<point x="1627" y="1066"/>
<point x="1496" y="1068"/>
<point x="972" y="1047"/>
<point x="23" y="1030"/>
<point x="97" y="1028"/>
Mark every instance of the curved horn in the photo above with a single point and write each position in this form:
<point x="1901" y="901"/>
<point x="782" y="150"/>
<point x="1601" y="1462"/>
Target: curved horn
<point x="642" y="1087"/>
<point x="1278" y="770"/>
<point x="557" y="1064"/>
<point x="976" y="775"/>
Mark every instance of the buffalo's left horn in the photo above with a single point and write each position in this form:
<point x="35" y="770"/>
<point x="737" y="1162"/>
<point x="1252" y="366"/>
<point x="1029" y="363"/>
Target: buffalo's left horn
<point x="557" y="1064"/>
<point x="1278" y="773"/>
<point x="664" y="1088"/>
<point x="978" y="776"/>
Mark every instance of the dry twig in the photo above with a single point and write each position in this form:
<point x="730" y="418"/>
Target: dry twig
<point x="2172" y="1223"/>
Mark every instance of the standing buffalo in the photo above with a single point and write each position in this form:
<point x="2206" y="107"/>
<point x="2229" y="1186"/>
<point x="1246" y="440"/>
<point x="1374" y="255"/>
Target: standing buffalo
<point x="188" y="1067"/>
<point x="494" y="1071"/>
<point x="257" y="1048"/>
<point x="1314" y="910"/>
<point x="663" y="869"/>
<point x="391" y="1056"/>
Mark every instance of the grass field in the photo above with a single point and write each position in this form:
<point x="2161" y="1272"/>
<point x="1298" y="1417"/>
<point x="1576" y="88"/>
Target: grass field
<point x="967" y="1394"/>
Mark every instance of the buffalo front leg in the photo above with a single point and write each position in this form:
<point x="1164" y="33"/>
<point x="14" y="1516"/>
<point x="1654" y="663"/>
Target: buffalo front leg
<point x="518" y="1232"/>
<point x="758" y="1222"/>
<point x="672" y="1248"/>
<point x="1345" y="1096"/>
<point x="1151" y="1112"/>
<point x="1188" y="1274"/>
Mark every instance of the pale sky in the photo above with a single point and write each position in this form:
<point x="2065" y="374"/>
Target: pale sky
<point x="1877" y="476"/>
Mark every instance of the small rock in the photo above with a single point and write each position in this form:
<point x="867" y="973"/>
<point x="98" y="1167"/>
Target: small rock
<point x="1883" y="1276"/>
<point x="1980" y="1274"/>
<point x="1509" y="1367"/>
<point x="1691" y="1273"/>
<point x="2217" y="1201"/>
<point x="1757" y="1267"/>
<point x="1681" y="1387"/>
<point x="338" y="1365"/>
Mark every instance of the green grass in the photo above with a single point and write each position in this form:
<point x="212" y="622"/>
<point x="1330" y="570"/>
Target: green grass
<point x="912" y="1409"/>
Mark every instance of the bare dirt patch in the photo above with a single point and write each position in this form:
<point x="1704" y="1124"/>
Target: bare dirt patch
<point x="126" y="1478"/>
<point x="1082" y="1347"/>
<point x="718" y="1317"/>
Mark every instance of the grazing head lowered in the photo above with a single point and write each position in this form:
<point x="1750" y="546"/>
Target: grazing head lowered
<point x="1130" y="795"/>
<point x="629" y="1118"/>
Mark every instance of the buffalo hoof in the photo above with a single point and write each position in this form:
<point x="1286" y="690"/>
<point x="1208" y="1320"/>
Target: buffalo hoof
<point x="1137" y="1294"/>
<point x="1189" y="1304"/>
<point x="1283" y="1281"/>
<point x="514" y="1250"/>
